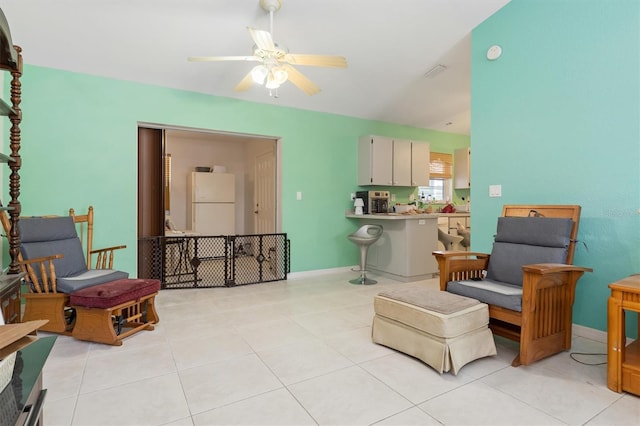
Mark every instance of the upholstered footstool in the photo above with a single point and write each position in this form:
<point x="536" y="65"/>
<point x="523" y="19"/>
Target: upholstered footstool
<point x="444" y="330"/>
<point x="107" y="313"/>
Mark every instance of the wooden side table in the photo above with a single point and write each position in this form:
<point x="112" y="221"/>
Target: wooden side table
<point x="623" y="362"/>
<point x="10" y="297"/>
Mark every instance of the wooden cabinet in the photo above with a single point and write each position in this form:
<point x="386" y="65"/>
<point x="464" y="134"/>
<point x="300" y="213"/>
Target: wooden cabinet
<point x="392" y="162"/>
<point x="420" y="157"/>
<point x="10" y="297"/>
<point x="462" y="168"/>
<point x="623" y="361"/>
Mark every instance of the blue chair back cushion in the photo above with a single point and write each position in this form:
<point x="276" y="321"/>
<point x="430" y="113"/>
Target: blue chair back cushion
<point x="53" y="235"/>
<point x="524" y="241"/>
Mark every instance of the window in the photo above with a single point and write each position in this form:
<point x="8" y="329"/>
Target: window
<point x="440" y="173"/>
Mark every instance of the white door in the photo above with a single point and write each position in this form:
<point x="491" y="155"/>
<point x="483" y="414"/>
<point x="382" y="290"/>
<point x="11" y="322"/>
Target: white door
<point x="265" y="195"/>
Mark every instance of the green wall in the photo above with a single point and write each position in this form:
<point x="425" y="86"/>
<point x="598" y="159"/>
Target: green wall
<point x="556" y="120"/>
<point x="79" y="135"/>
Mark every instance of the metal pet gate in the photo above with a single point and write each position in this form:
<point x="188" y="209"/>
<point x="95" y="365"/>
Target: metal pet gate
<point x="215" y="261"/>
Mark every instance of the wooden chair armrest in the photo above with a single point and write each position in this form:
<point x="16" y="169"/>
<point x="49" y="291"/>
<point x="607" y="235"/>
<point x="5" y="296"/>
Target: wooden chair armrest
<point x="105" y="257"/>
<point x="461" y="253"/>
<point x="102" y="250"/>
<point x="460" y="265"/>
<point x="551" y="268"/>
<point x="46" y="281"/>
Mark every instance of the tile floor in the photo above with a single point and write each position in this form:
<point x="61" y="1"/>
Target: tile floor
<point x="298" y="352"/>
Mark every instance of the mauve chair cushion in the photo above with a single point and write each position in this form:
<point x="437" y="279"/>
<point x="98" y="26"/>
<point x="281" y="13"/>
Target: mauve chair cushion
<point x="114" y="293"/>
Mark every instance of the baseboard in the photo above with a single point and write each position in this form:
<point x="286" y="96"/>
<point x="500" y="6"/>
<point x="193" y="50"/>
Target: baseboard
<point x="319" y="272"/>
<point x="593" y="334"/>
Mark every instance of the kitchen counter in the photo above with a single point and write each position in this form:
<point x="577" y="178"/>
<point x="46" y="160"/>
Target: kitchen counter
<point x="403" y="252"/>
<point x="400" y="216"/>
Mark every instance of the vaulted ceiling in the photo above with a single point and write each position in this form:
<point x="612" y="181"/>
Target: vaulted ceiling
<point x="389" y="47"/>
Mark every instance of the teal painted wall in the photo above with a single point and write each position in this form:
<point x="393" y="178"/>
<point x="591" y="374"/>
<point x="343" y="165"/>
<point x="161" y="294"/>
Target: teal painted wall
<point x="556" y="120"/>
<point x="79" y="147"/>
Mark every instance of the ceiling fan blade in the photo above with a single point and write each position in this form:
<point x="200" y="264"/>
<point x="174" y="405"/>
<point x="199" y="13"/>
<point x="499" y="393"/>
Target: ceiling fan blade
<point x="220" y="58"/>
<point x="316" y="60"/>
<point x="244" y="84"/>
<point x="302" y="82"/>
<point x="262" y="39"/>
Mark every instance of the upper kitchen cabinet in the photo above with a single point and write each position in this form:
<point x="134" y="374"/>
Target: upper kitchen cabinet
<point x="375" y="161"/>
<point x="420" y="157"/>
<point x="462" y="168"/>
<point x="392" y="162"/>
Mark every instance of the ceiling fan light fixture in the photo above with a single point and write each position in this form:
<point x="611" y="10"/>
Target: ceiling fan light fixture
<point x="280" y="74"/>
<point x="259" y="74"/>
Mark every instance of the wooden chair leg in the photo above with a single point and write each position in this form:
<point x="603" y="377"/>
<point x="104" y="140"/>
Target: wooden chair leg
<point x="50" y="307"/>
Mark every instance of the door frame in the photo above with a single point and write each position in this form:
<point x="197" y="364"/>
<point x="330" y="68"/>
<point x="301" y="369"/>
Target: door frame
<point x="277" y="153"/>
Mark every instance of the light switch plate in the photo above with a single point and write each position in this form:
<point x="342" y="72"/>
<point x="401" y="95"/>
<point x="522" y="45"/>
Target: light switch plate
<point x="495" y="191"/>
<point x="299" y="195"/>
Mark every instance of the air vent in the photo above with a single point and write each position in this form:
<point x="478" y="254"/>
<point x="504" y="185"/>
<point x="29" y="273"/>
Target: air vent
<point x="435" y="70"/>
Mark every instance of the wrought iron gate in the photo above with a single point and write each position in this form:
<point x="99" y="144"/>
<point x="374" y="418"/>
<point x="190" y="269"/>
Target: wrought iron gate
<point x="215" y="261"/>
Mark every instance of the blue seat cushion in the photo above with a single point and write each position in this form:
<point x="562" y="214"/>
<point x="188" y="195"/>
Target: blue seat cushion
<point x="88" y="279"/>
<point x="491" y="292"/>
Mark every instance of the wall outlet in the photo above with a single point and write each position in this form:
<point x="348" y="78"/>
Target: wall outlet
<point x="495" y="191"/>
<point x="353" y="196"/>
<point x="299" y="195"/>
<point x="393" y="197"/>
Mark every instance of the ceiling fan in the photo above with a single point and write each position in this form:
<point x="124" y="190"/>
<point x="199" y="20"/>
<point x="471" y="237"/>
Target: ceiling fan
<point x="276" y="63"/>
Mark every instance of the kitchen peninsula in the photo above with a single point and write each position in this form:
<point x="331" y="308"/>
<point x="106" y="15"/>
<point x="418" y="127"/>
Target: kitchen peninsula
<point x="403" y="252"/>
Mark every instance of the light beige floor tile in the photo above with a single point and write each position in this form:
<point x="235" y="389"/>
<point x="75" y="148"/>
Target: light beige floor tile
<point x="357" y="345"/>
<point x="412" y="378"/>
<point x="479" y="404"/>
<point x="299" y="361"/>
<point x="412" y="416"/>
<point x="58" y="412"/>
<point x="623" y="412"/>
<point x="63" y="379"/>
<point x="271" y="334"/>
<point x="208" y="348"/>
<point x="126" y="366"/>
<point x="277" y="407"/>
<point x="309" y="314"/>
<point x="155" y="401"/>
<point x="563" y="397"/>
<point x="348" y="397"/>
<point x="213" y="385"/>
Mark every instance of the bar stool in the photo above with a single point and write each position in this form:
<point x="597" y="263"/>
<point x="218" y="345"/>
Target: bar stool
<point x="448" y="241"/>
<point x="363" y="238"/>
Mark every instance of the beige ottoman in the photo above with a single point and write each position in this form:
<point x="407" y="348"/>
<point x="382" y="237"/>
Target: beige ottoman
<point x="442" y="329"/>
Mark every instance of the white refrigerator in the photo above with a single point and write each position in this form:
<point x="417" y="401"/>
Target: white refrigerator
<point x="211" y="204"/>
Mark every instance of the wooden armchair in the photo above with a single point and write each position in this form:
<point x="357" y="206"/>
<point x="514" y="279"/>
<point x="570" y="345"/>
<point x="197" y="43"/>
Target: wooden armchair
<point x="52" y="257"/>
<point x="528" y="280"/>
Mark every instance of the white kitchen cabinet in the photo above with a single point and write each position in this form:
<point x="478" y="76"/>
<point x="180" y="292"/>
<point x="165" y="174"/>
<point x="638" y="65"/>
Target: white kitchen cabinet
<point x="401" y="162"/>
<point x="390" y="162"/>
<point x="462" y="168"/>
<point x="420" y="157"/>
<point x="375" y="161"/>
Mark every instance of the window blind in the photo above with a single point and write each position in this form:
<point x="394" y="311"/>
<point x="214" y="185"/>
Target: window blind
<point x="440" y="165"/>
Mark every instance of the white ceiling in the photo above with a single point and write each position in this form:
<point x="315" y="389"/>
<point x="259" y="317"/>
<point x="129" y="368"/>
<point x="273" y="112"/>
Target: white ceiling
<point x="389" y="46"/>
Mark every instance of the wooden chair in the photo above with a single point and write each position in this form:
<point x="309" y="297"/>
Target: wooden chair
<point x="105" y="256"/>
<point x="528" y="280"/>
<point x="52" y="257"/>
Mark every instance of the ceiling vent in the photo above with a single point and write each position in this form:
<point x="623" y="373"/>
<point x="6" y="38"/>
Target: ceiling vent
<point x="435" y="70"/>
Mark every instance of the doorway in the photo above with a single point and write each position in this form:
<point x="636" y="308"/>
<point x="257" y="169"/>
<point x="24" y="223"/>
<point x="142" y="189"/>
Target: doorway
<point x="253" y="159"/>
